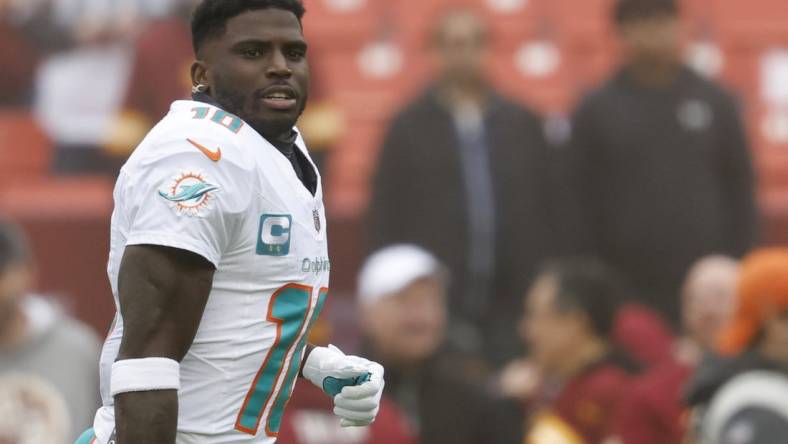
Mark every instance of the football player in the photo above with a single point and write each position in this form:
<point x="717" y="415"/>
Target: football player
<point x="218" y="259"/>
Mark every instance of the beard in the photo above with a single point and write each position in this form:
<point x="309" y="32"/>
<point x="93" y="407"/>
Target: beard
<point x="250" y="109"/>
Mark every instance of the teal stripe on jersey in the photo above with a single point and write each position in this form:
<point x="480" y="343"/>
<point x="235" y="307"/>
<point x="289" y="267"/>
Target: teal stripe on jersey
<point x="275" y="418"/>
<point x="289" y="308"/>
<point x="86" y="438"/>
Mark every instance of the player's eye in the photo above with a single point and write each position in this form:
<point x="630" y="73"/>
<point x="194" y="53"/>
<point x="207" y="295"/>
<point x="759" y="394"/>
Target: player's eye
<point x="252" y="53"/>
<point x="296" y="54"/>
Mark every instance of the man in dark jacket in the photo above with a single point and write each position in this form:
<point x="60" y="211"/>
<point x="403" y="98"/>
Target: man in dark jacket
<point x="660" y="162"/>
<point x="402" y="292"/>
<point x="463" y="173"/>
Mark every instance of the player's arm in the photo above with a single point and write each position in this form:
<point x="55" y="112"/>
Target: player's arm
<point x="163" y="292"/>
<point x="354" y="383"/>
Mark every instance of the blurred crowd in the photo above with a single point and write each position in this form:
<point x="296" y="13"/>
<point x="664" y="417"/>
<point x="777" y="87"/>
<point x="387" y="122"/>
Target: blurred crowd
<point x="96" y="74"/>
<point x="596" y="280"/>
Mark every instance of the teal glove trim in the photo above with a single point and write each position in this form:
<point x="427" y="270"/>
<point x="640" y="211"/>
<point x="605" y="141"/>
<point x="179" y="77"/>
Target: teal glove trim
<point x="333" y="386"/>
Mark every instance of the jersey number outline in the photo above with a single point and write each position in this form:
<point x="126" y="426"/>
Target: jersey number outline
<point x="289" y="309"/>
<point x="220" y="117"/>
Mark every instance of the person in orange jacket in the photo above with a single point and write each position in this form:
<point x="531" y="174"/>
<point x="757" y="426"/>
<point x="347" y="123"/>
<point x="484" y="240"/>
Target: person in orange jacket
<point x="742" y="397"/>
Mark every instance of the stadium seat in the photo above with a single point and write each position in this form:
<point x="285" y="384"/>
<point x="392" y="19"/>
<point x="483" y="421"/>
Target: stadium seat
<point x="746" y="64"/>
<point x="767" y="125"/>
<point x="769" y="136"/>
<point x="774" y="209"/>
<point x="587" y="17"/>
<point x="352" y="166"/>
<point x="56" y="198"/>
<point x="513" y="18"/>
<point x="24" y="149"/>
<point x="772" y="169"/>
<point x="370" y="83"/>
<point x="753" y="20"/>
<point x="536" y="72"/>
<point x="551" y="73"/>
<point x="697" y="9"/>
<point x="769" y="130"/>
<point x="336" y="24"/>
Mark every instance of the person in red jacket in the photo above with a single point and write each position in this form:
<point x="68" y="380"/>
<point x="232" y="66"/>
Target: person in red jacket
<point x="573" y="380"/>
<point x="653" y="411"/>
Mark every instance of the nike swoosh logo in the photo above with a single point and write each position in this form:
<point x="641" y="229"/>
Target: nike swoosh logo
<point x="213" y="155"/>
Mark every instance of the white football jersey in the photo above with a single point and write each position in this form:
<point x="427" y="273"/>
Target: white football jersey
<point x="206" y="182"/>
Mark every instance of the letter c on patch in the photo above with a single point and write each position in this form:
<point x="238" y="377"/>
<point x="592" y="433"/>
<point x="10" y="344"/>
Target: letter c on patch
<point x="274" y="235"/>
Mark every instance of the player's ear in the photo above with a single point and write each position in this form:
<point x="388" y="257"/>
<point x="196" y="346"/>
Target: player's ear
<point x="199" y="73"/>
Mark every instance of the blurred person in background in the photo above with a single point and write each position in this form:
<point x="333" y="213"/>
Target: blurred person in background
<point x="660" y="162"/>
<point x="31" y="411"/>
<point x="19" y="57"/>
<point x="402" y="292"/>
<point x="744" y="398"/>
<point x="48" y="361"/>
<point x="160" y="74"/>
<point x="463" y="172"/>
<point x="643" y="334"/>
<point x="32" y="31"/>
<point x="573" y="379"/>
<point x="709" y="299"/>
<point x="45" y="24"/>
<point x="80" y="88"/>
<point x="653" y="411"/>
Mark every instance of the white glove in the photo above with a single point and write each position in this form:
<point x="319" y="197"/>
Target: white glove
<point x="355" y="383"/>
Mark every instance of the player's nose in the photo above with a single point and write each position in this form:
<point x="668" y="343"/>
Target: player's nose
<point x="278" y="66"/>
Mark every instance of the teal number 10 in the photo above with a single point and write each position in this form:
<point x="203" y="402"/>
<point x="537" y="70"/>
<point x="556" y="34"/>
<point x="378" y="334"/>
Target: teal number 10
<point x="289" y="310"/>
<point x="220" y="117"/>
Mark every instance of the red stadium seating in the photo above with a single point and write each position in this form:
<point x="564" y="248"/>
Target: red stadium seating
<point x="774" y="208"/>
<point x="56" y="198"/>
<point x="352" y="167"/>
<point x="535" y="71"/>
<point x="754" y="19"/>
<point x="24" y="149"/>
<point x="512" y="19"/>
<point x="769" y="134"/>
<point x="586" y="17"/>
<point x="367" y="84"/>
<point x="334" y="24"/>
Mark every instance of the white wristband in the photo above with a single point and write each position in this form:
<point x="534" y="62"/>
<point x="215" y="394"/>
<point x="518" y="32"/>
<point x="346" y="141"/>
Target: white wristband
<point x="143" y="375"/>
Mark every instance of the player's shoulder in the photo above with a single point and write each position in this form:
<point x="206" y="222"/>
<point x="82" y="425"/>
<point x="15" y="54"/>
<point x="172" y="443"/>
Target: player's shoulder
<point x="191" y="158"/>
<point x="195" y="130"/>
